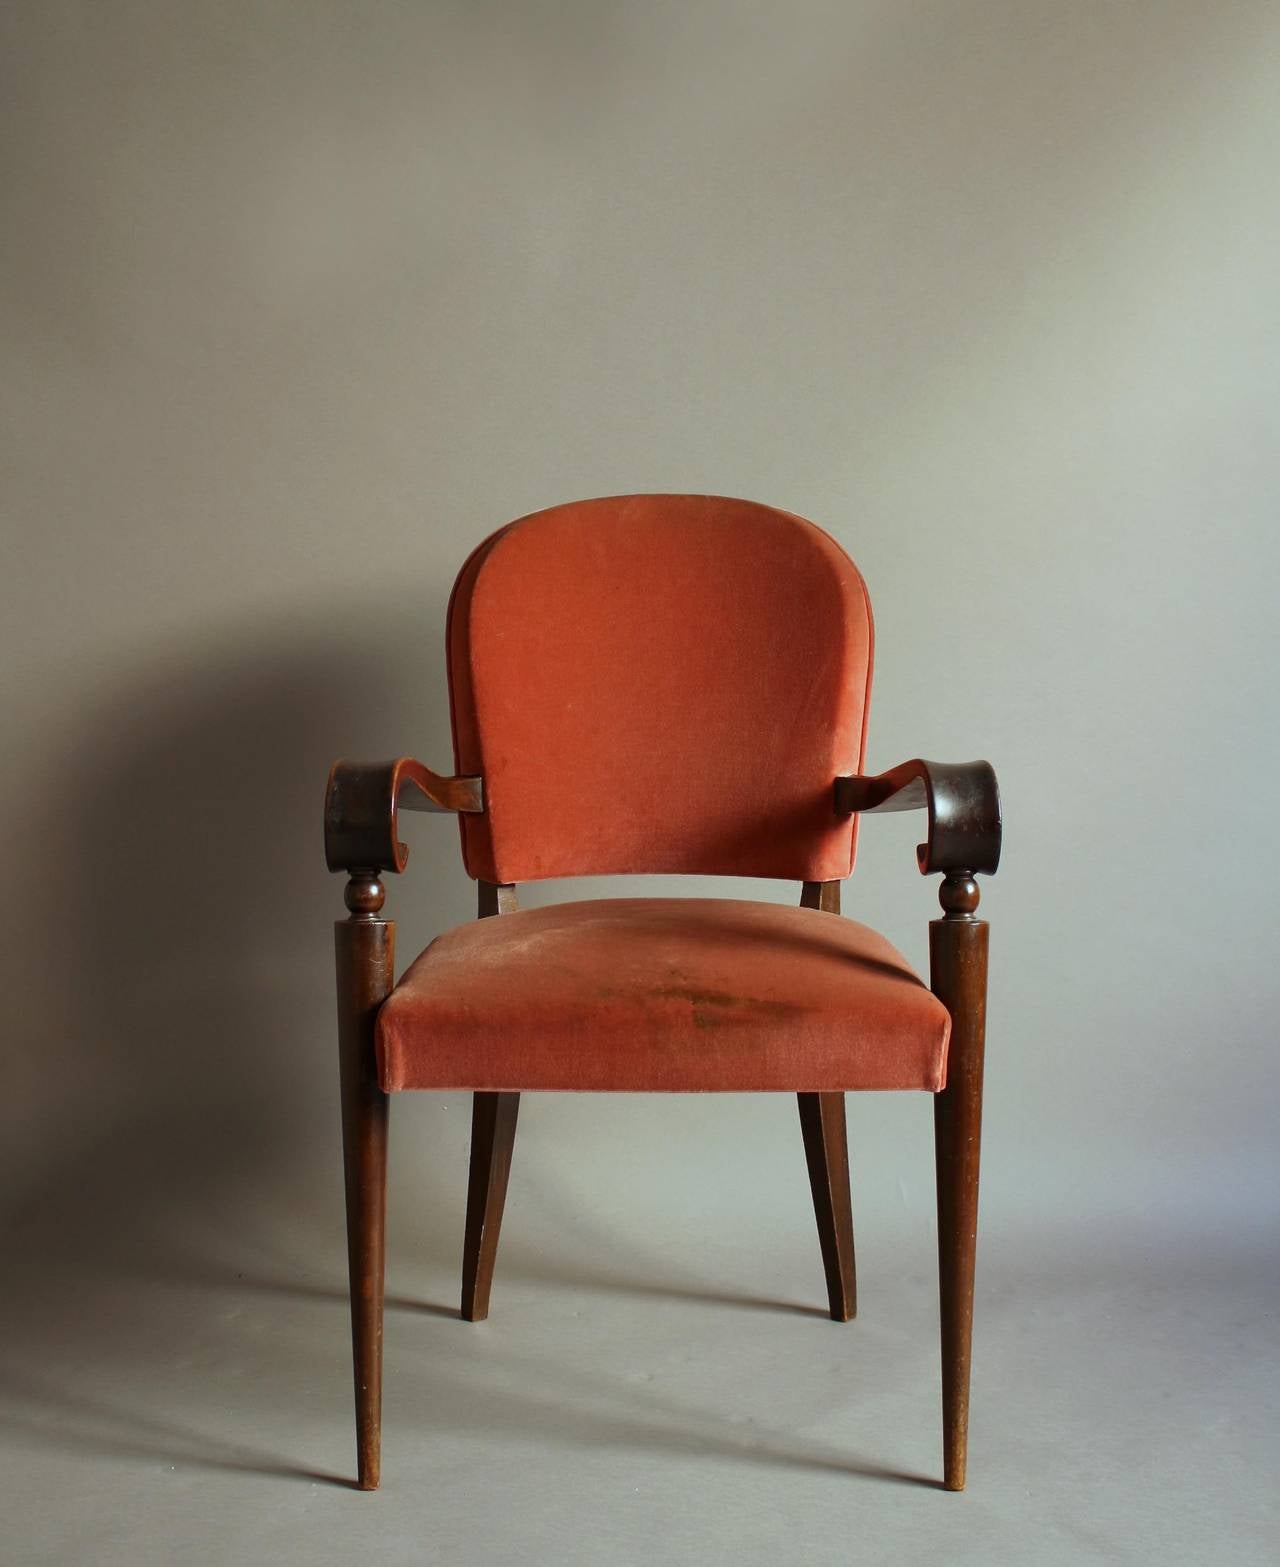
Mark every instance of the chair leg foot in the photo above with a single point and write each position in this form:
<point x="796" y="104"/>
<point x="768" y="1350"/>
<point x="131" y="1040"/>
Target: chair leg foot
<point x="365" y="1250"/>
<point x="956" y="1153"/>
<point x="366" y="1217"/>
<point x="493" y="1133"/>
<point x="826" y="1147"/>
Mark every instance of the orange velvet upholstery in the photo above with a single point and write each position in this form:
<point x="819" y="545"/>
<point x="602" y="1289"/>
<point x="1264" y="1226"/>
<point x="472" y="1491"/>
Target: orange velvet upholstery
<point x="659" y="683"/>
<point x="665" y="994"/>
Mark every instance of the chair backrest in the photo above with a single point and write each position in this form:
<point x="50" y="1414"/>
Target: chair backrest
<point x="659" y="683"/>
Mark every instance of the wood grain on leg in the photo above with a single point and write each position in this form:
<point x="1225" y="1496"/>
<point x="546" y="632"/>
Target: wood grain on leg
<point x="822" y="1121"/>
<point x="493" y="1134"/>
<point x="958" y="970"/>
<point x="365" y="950"/>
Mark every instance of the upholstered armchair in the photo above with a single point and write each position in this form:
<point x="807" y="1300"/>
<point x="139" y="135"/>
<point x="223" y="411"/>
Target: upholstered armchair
<point x="679" y="684"/>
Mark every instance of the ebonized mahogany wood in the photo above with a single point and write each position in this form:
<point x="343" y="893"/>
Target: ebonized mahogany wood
<point x="493" y="1134"/>
<point x="365" y="952"/>
<point x="361" y="805"/>
<point x="963" y="803"/>
<point x="962" y="799"/>
<point x="958" y="977"/>
<point x="963" y="839"/>
<point x="363" y="800"/>
<point x="826" y="1147"/>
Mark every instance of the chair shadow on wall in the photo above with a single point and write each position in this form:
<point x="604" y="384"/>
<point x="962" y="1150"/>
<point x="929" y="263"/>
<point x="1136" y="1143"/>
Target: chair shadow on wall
<point x="192" y="955"/>
<point x="195" y="973"/>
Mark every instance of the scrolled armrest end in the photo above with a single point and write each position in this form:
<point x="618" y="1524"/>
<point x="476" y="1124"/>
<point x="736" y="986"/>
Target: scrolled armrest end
<point x="963" y="803"/>
<point x="362" y="802"/>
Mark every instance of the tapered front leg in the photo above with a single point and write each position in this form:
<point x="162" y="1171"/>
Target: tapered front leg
<point x="365" y="947"/>
<point x="958" y="969"/>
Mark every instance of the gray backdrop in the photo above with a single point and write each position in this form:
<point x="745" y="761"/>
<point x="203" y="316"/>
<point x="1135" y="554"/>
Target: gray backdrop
<point x="301" y="301"/>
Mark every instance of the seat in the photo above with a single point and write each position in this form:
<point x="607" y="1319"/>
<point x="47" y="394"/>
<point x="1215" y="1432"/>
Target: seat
<point x="661" y="684"/>
<point x="653" y="994"/>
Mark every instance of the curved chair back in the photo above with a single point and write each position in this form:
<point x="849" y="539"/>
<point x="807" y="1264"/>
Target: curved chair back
<point x="659" y="683"/>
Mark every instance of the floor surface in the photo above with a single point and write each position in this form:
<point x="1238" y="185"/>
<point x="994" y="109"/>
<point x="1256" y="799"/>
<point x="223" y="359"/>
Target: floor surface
<point x="651" y="1387"/>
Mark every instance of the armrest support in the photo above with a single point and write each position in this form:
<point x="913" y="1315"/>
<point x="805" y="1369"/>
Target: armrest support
<point x="362" y="802"/>
<point x="963" y="802"/>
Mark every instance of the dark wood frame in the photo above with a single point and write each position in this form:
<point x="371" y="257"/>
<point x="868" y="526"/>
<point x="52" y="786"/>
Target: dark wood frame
<point x="962" y="840"/>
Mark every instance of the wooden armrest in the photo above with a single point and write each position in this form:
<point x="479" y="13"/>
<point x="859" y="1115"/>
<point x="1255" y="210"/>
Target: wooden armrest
<point x="362" y="801"/>
<point x="962" y="800"/>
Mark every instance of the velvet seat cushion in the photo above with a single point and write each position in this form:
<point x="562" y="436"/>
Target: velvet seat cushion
<point x="662" y="994"/>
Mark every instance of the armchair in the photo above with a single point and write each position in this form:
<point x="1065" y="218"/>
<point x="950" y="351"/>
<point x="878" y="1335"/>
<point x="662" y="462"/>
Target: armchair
<point x="661" y="684"/>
